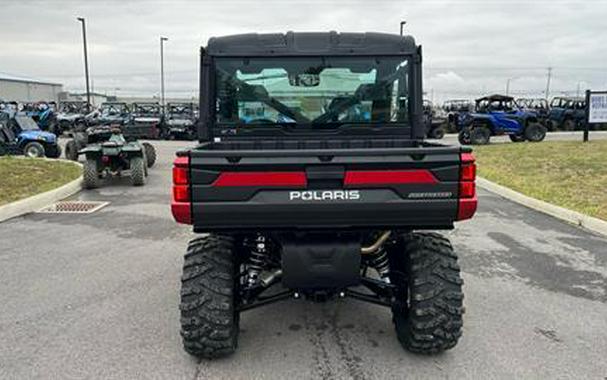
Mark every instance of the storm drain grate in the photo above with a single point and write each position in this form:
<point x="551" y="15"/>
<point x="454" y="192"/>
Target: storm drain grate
<point x="74" y="207"/>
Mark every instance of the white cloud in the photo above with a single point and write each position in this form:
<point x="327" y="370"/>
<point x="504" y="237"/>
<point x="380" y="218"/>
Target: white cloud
<point x="470" y="47"/>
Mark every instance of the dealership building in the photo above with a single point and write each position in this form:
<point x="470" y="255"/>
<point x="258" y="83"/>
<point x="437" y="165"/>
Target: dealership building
<point x="23" y="89"/>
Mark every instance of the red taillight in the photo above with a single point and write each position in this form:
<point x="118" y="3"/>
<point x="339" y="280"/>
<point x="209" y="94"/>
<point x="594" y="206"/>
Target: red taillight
<point x="180" y="176"/>
<point x="468" y="171"/>
<point x="228" y="179"/>
<point x="181" y="193"/>
<point x="105" y="159"/>
<point x="467" y="189"/>
<point x="181" y="206"/>
<point x="388" y="177"/>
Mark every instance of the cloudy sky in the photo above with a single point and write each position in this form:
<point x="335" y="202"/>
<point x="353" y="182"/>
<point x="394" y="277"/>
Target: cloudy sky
<point x="471" y="47"/>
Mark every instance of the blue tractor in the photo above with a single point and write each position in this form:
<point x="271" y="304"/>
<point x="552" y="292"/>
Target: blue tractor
<point x="21" y="135"/>
<point x="497" y="115"/>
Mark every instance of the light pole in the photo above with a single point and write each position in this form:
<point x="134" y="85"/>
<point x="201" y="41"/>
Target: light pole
<point x="577" y="92"/>
<point x="162" y="39"/>
<point x="508" y="80"/>
<point x="548" y="82"/>
<point x="86" y="65"/>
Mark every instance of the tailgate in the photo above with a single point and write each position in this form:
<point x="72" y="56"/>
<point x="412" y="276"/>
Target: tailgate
<point x="350" y="188"/>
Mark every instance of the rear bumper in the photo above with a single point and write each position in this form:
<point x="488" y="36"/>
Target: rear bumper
<point x="406" y="214"/>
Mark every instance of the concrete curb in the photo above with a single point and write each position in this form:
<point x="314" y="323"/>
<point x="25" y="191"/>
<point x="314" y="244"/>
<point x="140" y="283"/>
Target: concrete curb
<point x="39" y="201"/>
<point x="582" y="220"/>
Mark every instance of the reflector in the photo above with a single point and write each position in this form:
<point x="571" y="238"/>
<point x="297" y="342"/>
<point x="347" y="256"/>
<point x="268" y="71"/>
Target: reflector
<point x="182" y="161"/>
<point x="182" y="212"/>
<point x="388" y="177"/>
<point x="468" y="157"/>
<point x="261" y="179"/>
<point x="467" y="208"/>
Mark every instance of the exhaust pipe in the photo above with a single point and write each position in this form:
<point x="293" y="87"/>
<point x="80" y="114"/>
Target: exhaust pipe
<point x="271" y="277"/>
<point x="377" y="245"/>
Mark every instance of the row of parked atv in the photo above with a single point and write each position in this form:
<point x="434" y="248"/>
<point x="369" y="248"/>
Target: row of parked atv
<point x="144" y="120"/>
<point x="107" y="151"/>
<point x="520" y="119"/>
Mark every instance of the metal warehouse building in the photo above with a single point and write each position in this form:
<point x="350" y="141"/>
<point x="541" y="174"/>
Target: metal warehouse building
<point x="24" y="89"/>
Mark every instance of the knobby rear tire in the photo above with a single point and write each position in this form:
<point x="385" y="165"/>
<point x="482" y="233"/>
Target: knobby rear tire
<point x="150" y="154"/>
<point x="90" y="174"/>
<point x="138" y="171"/>
<point x="535" y="132"/>
<point x="209" y="319"/>
<point x="437" y="133"/>
<point x="480" y="135"/>
<point x="71" y="150"/>
<point x="430" y="320"/>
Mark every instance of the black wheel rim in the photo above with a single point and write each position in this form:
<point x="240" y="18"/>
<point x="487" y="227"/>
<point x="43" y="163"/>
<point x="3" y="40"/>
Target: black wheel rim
<point x="32" y="152"/>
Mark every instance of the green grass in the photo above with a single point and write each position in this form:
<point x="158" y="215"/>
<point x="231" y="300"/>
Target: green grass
<point x="24" y="177"/>
<point x="568" y="174"/>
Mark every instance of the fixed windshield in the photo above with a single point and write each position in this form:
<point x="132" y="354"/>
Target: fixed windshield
<point x="497" y="105"/>
<point x="147" y="109"/>
<point x="180" y="110"/>
<point x="312" y="90"/>
<point x="26" y="123"/>
<point x="113" y="109"/>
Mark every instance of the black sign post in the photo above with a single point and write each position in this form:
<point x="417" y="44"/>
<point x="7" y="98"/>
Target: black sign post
<point x="587" y="123"/>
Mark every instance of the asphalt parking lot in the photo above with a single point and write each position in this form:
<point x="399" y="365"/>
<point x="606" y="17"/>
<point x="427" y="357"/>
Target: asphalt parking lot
<point x="96" y="296"/>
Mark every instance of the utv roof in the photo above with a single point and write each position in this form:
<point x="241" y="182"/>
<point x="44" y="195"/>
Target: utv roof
<point x="306" y="44"/>
<point x="496" y="97"/>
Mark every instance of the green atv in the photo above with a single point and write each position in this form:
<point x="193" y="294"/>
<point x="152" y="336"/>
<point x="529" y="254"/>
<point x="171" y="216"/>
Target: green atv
<point x="83" y="136"/>
<point x="114" y="156"/>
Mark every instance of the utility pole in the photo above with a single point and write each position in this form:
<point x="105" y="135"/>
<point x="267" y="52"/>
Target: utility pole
<point x="507" y="86"/>
<point x="162" y="39"/>
<point x="548" y="82"/>
<point x="577" y="92"/>
<point x="86" y="65"/>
